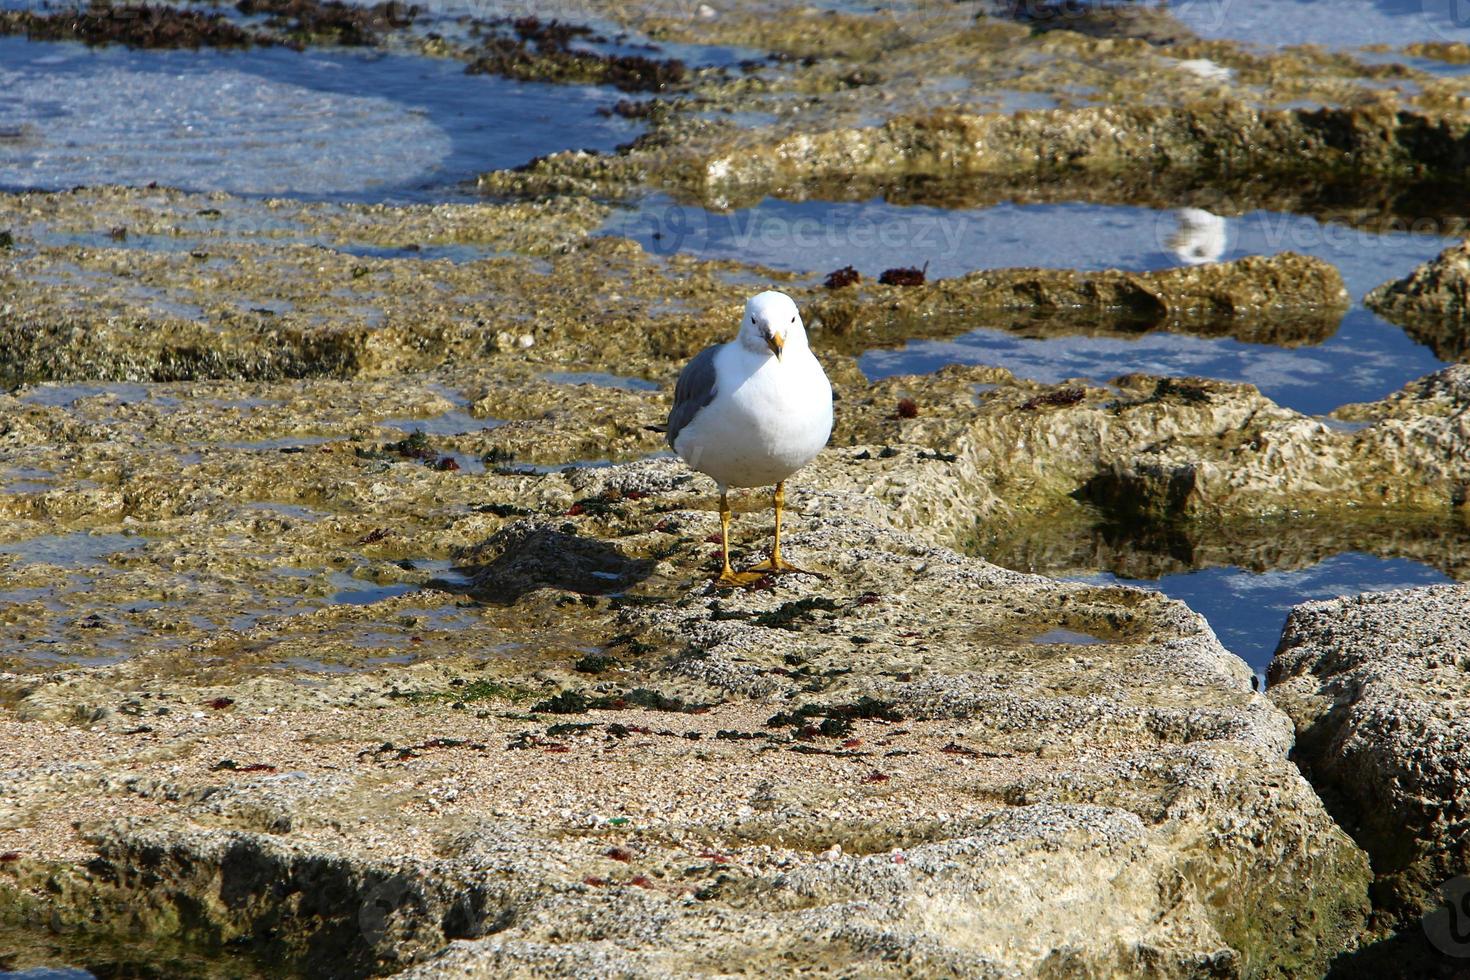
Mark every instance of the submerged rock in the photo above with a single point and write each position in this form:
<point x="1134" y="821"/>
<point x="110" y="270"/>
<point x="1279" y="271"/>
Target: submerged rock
<point x="1378" y="687"/>
<point x="1432" y="303"/>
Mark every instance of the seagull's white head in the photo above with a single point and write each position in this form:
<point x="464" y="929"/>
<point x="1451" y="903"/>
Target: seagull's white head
<point x="772" y="325"/>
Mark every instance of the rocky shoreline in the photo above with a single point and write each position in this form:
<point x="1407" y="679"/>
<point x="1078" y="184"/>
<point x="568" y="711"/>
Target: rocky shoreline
<point x="549" y="714"/>
<point x="357" y="623"/>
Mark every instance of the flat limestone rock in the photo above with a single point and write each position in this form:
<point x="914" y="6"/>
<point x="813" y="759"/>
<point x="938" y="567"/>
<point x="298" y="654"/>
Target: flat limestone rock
<point x="1379" y="689"/>
<point x="531" y="287"/>
<point x="921" y="764"/>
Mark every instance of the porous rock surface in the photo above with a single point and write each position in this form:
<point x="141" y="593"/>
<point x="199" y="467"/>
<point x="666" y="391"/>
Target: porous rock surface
<point x="979" y="772"/>
<point x="1378" y="687"/>
<point x="371" y="713"/>
<point x="1432" y="302"/>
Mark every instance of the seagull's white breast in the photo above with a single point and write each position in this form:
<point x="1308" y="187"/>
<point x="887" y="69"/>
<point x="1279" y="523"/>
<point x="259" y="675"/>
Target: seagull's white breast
<point x="768" y="419"/>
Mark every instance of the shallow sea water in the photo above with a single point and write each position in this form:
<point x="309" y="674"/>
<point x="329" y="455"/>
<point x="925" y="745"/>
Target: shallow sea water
<point x="1247" y="609"/>
<point x="326" y="124"/>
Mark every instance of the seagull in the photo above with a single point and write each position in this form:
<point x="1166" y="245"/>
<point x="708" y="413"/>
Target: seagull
<point x="752" y="412"/>
<point x="1201" y="236"/>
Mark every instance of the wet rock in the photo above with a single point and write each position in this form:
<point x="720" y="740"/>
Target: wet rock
<point x="1203" y="139"/>
<point x="1432" y="303"/>
<point x="1126" y="19"/>
<point x="1284" y="299"/>
<point x="1378" y="687"/>
<point x="331" y="21"/>
<point x="1080" y="543"/>
<point x="295" y="23"/>
<point x="1169" y="482"/>
<point x="535" y="50"/>
<point x="1158" y="450"/>
<point x="1452" y="52"/>
<point x="136" y="25"/>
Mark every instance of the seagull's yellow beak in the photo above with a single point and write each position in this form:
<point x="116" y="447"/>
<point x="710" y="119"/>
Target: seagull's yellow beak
<point x="776" y="343"/>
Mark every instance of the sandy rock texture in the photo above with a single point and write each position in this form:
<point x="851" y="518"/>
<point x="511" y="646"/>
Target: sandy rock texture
<point x="907" y="766"/>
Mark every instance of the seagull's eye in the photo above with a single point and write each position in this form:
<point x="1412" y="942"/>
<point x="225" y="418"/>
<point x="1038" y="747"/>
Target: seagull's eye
<point x="793" y="319"/>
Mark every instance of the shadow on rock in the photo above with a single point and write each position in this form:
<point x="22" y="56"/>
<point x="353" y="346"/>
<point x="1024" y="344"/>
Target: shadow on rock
<point x="1407" y="955"/>
<point x="533" y="554"/>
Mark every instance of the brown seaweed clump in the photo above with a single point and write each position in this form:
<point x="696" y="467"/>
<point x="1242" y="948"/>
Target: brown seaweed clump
<point x="904" y="276"/>
<point x="136" y="25"/>
<point x="332" y="21"/>
<point x="537" y="50"/>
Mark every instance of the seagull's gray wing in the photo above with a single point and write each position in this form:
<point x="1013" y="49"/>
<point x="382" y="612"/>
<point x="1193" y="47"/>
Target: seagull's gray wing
<point x="694" y="390"/>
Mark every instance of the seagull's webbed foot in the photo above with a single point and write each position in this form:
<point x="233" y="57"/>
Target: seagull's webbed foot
<point x="730" y="578"/>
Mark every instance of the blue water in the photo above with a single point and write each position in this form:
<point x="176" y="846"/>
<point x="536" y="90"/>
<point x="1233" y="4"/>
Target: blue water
<point x="1343" y="24"/>
<point x="1247" y="609"/>
<point x="326" y="124"/>
<point x="1364" y="360"/>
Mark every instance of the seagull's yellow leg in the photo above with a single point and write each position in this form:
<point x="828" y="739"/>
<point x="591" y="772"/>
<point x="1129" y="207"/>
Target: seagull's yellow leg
<point x="776" y="563"/>
<point x="728" y="576"/>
